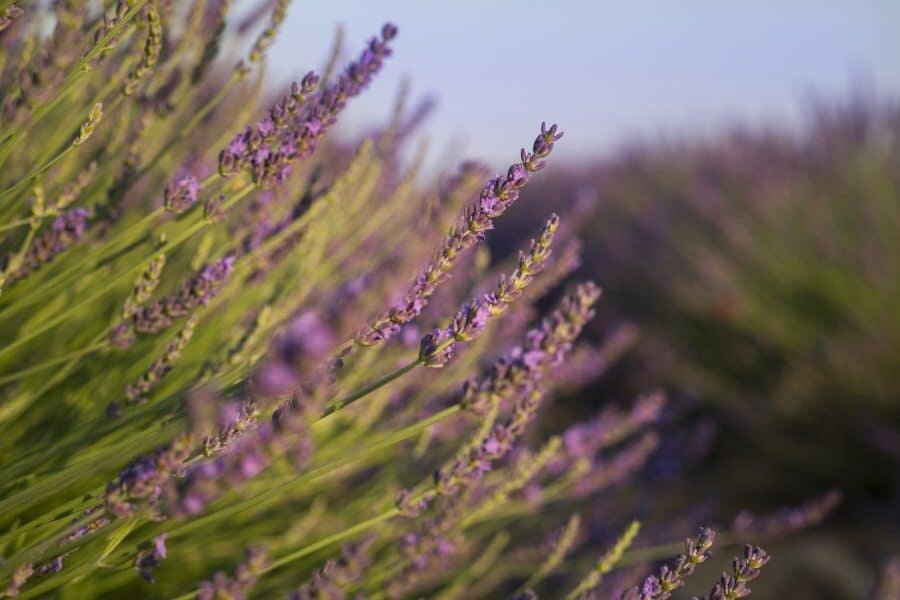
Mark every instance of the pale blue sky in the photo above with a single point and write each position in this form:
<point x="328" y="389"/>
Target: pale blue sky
<point x="607" y="72"/>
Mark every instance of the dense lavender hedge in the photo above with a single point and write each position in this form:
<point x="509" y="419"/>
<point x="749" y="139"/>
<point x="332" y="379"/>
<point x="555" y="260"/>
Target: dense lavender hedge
<point x="238" y="358"/>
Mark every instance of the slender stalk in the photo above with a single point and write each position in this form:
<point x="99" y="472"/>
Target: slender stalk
<point x="74" y="75"/>
<point x="345" y="402"/>
<point x="113" y="282"/>
<point x="38" y="171"/>
<point x="184" y="131"/>
<point x="16" y="375"/>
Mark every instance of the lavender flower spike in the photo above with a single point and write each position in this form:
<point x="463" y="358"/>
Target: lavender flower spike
<point x="293" y="130"/>
<point x="750" y="527"/>
<point x="497" y="196"/>
<point x="67" y="229"/>
<point x="544" y="347"/>
<point x="283" y="114"/>
<point x="668" y="579"/>
<point x="246" y="574"/>
<point x="519" y="374"/>
<point x="194" y="293"/>
<point x="136" y="392"/>
<point x="744" y="570"/>
<point x="180" y="195"/>
<point x="469" y="322"/>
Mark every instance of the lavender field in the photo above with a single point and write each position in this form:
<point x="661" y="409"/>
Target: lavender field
<point x="253" y="348"/>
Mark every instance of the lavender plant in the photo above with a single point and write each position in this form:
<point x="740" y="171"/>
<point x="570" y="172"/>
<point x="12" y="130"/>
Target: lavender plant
<point x="219" y="360"/>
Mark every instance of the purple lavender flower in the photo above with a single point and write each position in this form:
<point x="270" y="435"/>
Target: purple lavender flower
<point x="246" y="574"/>
<point x="53" y="566"/>
<point x="335" y="575"/>
<point x="471" y="319"/>
<point x="141" y="482"/>
<point x="295" y="125"/>
<point x="242" y="460"/>
<point x="744" y="570"/>
<point x="661" y="585"/>
<point x="584" y="440"/>
<point x="181" y="194"/>
<point x="193" y="294"/>
<point x="604" y="474"/>
<point x="515" y="379"/>
<point x="497" y="196"/>
<point x="67" y="229"/>
<point x="455" y="480"/>
<point x="749" y="526"/>
<point x="436" y="348"/>
<point x="149" y="559"/>
<point x="544" y="347"/>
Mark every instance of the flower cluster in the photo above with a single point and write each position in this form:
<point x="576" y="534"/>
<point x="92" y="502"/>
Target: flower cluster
<point x="744" y="570"/>
<point x="496" y="197"/>
<point x="437" y="347"/>
<point x="242" y="459"/>
<point x="246" y="574"/>
<point x="669" y="578"/>
<point x="181" y="194"/>
<point x="65" y="231"/>
<point x="193" y="293"/>
<point x="335" y="575"/>
<point x="294" y="125"/>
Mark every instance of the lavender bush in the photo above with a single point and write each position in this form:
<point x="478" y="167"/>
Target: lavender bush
<point x="240" y="358"/>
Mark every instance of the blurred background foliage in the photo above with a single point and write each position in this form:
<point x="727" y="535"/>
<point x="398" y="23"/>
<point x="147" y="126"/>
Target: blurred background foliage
<point x="762" y="269"/>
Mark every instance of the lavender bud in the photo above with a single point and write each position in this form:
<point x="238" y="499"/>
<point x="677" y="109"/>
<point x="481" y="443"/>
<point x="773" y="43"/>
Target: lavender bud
<point x="149" y="559"/>
<point x="744" y="570"/>
<point x="670" y="578"/>
<point x="66" y="230"/>
<point x="144" y="287"/>
<point x="470" y="321"/>
<point x="436" y="348"/>
<point x="212" y="209"/>
<point x="22" y="573"/>
<point x="135" y="392"/>
<point x="152" y="48"/>
<point x="87" y="128"/>
<point x="9" y="14"/>
<point x="181" y="194"/>
<point x="193" y="294"/>
<point x="495" y="198"/>
<point x="245" y="576"/>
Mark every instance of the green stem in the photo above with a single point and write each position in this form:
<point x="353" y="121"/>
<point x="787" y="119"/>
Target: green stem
<point x="344" y="402"/>
<point x="184" y="131"/>
<point x="110" y="109"/>
<point x="114" y="281"/>
<point x="662" y="551"/>
<point x="20" y="222"/>
<point x="37" y="171"/>
<point x="49" y="363"/>
<point x="74" y="75"/>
